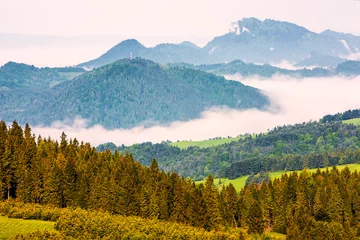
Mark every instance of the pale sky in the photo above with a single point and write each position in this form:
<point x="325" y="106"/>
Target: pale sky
<point x="158" y="21"/>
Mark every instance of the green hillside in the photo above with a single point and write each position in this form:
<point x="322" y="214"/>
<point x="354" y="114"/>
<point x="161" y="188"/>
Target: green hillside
<point x="10" y="227"/>
<point x="203" y="144"/>
<point x="291" y="147"/>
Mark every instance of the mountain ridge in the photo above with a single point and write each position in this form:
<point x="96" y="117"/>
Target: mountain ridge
<point x="250" y="40"/>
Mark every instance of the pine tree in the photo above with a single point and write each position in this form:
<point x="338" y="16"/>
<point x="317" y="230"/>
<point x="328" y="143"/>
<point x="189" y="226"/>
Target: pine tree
<point x="335" y="206"/>
<point x="211" y="199"/>
<point x="3" y="137"/>
<point x="231" y="199"/>
<point x="255" y="221"/>
<point x="178" y="213"/>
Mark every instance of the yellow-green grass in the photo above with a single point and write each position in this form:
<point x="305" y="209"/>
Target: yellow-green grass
<point x="10" y="227"/>
<point x="203" y="144"/>
<point x="239" y="183"/>
<point x="355" y="121"/>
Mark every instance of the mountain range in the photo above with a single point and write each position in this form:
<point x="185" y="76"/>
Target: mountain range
<point x="238" y="67"/>
<point x="249" y="40"/>
<point x="320" y="60"/>
<point x="125" y="94"/>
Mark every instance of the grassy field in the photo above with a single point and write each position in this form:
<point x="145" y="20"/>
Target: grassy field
<point x="239" y="183"/>
<point x="203" y="144"/>
<point x="355" y="121"/>
<point x="10" y="227"/>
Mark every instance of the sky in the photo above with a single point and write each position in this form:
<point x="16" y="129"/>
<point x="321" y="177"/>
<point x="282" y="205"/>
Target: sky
<point x="92" y="27"/>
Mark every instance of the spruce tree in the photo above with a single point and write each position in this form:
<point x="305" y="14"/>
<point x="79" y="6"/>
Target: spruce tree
<point x="255" y="221"/>
<point x="211" y="199"/>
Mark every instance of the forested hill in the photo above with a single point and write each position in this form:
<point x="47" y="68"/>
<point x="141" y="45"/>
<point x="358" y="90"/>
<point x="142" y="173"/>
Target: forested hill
<point x="131" y="92"/>
<point x="289" y="147"/>
<point x="346" y="68"/>
<point x="18" y="75"/>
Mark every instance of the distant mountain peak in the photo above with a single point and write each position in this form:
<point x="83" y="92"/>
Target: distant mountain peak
<point x="242" y="26"/>
<point x="269" y="26"/>
<point x="189" y="44"/>
<point x="130" y="43"/>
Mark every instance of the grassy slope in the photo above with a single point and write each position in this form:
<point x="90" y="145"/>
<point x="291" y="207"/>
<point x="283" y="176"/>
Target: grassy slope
<point x="10" y="227"/>
<point x="239" y="183"/>
<point x="203" y="144"/>
<point x="355" y="121"/>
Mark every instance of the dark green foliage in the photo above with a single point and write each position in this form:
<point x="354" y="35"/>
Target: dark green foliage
<point x="128" y="93"/>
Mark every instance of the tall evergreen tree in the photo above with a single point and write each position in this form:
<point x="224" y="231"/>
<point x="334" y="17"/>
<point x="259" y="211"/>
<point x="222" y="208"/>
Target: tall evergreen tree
<point x="211" y="199"/>
<point x="255" y="221"/>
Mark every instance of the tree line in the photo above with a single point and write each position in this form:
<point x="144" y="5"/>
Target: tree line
<point x="322" y="205"/>
<point x="349" y="114"/>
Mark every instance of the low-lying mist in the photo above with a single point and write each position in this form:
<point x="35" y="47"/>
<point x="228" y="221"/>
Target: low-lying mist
<point x="292" y="101"/>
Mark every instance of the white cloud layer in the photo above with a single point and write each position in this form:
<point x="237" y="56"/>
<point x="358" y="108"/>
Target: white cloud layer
<point x="293" y="101"/>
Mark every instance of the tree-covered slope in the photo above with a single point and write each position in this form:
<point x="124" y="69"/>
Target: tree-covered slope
<point x="346" y="68"/>
<point x="288" y="147"/>
<point x="17" y="75"/>
<point x="131" y="92"/>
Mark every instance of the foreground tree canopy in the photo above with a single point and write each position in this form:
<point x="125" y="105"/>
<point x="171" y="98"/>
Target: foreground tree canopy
<point x="73" y="174"/>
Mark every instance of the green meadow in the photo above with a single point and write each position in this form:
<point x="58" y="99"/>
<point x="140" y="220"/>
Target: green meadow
<point x="10" y="227"/>
<point x="355" y="121"/>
